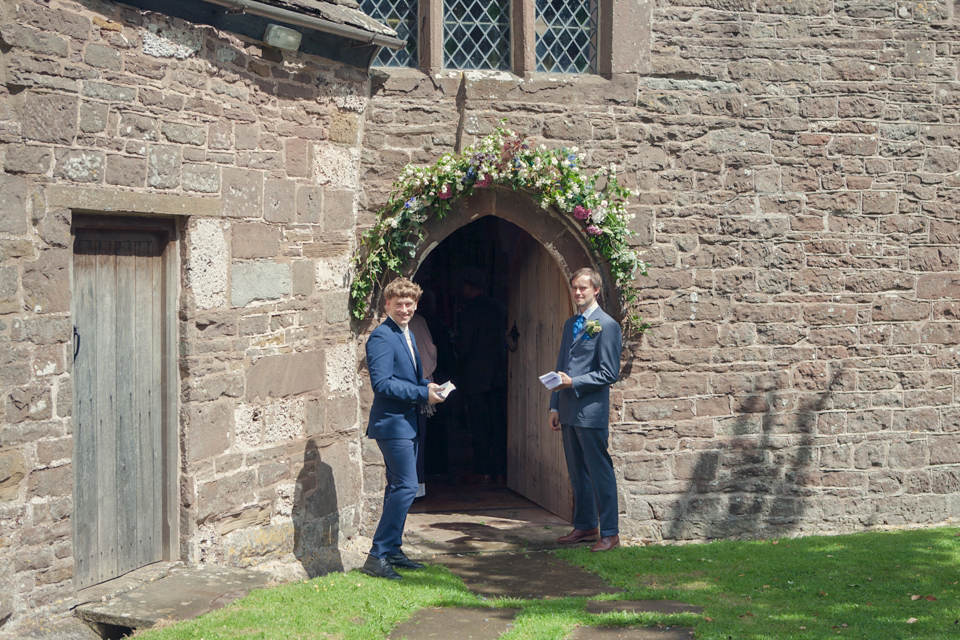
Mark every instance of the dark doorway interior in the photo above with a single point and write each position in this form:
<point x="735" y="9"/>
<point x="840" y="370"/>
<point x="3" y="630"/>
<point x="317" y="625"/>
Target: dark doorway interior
<point x="488" y="246"/>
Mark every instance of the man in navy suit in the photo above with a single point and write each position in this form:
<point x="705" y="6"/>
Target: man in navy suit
<point x="589" y="362"/>
<point x="399" y="388"/>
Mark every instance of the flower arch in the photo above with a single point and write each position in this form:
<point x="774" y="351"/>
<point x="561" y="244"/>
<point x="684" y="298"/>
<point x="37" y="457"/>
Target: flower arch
<point x="596" y="202"/>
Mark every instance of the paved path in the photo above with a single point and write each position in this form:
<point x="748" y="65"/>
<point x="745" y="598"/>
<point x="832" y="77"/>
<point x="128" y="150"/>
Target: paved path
<point x="531" y="576"/>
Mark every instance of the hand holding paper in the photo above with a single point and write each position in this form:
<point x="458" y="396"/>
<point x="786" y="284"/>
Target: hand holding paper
<point x="551" y="380"/>
<point x="445" y="389"/>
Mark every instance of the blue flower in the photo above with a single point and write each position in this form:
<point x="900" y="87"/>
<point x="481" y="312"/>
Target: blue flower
<point x="409" y="204"/>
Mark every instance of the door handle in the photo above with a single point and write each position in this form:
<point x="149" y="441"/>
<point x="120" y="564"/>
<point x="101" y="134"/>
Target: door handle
<point x="76" y="342"/>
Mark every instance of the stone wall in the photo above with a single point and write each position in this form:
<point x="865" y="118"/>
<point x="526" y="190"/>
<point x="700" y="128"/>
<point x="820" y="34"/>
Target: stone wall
<point x="107" y="109"/>
<point x="797" y="169"/>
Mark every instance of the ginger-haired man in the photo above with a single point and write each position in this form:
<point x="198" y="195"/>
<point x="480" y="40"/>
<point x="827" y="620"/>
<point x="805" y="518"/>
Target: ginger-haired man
<point x="399" y="388"/>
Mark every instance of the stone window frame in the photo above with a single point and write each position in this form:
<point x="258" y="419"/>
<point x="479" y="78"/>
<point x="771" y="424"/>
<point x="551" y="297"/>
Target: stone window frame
<point x="623" y="39"/>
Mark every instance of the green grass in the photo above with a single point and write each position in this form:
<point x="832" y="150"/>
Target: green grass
<point x="853" y="586"/>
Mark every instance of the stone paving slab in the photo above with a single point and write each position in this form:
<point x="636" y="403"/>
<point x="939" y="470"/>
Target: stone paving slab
<point x="525" y="575"/>
<point x="429" y="534"/>
<point x="641" y="606"/>
<point x="180" y="595"/>
<point x="631" y="633"/>
<point x="458" y="623"/>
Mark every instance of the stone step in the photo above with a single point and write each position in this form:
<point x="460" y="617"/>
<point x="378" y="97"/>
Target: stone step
<point x="181" y="594"/>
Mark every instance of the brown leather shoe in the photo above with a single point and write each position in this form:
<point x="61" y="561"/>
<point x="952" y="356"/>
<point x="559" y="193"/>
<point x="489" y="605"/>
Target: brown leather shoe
<point x="578" y="535"/>
<point x="606" y="543"/>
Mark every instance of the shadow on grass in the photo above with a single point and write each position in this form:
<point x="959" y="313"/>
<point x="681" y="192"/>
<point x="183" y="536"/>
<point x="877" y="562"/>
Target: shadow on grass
<point x="857" y="586"/>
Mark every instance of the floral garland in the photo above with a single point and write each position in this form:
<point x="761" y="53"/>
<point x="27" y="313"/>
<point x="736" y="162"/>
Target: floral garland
<point x="597" y="202"/>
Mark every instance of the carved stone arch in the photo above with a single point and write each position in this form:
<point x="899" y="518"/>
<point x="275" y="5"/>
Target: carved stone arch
<point x="557" y="232"/>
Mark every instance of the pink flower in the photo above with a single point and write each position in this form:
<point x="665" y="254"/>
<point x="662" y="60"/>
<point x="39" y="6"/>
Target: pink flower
<point x="580" y="212"/>
<point x="593" y="230"/>
<point x="484" y="181"/>
<point x="446" y="192"/>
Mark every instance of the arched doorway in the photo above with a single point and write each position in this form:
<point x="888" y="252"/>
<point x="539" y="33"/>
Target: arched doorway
<point x="525" y="276"/>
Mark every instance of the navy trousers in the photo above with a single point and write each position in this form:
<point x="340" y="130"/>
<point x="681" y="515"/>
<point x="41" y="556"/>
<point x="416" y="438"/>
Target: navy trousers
<point x="400" y="458"/>
<point x="592" y="477"/>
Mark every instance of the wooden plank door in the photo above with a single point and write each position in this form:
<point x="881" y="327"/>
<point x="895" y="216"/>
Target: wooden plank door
<point x="539" y="305"/>
<point x="118" y="304"/>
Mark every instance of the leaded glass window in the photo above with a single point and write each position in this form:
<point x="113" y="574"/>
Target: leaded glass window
<point x="401" y="16"/>
<point x="566" y="36"/>
<point x="476" y="34"/>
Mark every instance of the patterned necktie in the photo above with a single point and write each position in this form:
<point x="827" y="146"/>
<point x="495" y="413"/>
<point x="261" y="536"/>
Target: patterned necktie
<point x="578" y="325"/>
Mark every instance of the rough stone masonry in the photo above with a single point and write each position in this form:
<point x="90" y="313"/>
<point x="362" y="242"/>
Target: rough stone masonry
<point x="797" y="168"/>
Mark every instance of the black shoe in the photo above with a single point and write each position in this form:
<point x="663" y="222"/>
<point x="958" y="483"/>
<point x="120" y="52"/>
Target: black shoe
<point x="380" y="568"/>
<point x="403" y="562"/>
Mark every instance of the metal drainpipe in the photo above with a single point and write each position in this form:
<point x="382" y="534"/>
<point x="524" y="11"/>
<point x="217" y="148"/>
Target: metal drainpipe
<point x="309" y="22"/>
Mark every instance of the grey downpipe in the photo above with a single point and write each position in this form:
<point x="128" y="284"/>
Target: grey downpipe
<point x="309" y="22"/>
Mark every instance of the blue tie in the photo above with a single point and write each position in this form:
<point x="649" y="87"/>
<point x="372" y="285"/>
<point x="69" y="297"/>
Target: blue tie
<point x="578" y="325"/>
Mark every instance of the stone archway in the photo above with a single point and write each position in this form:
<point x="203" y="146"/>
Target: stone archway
<point x="552" y="247"/>
<point x="556" y="232"/>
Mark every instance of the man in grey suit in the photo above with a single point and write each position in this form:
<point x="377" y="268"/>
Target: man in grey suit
<point x="589" y="362"/>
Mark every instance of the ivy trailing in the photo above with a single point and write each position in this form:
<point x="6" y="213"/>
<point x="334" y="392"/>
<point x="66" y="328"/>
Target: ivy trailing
<point x="597" y="202"/>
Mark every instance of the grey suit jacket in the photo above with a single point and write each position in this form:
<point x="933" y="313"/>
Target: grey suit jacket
<point x="593" y="363"/>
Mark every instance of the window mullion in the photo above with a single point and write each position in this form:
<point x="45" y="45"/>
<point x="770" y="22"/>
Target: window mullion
<point x="431" y="35"/>
<point x="524" y="37"/>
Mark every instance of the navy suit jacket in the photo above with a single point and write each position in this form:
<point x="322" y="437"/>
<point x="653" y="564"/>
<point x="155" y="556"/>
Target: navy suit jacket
<point x="398" y="384"/>
<point x="593" y="363"/>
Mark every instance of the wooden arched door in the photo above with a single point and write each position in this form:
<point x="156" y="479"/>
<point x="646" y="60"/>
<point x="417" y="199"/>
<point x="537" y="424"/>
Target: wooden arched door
<point x="539" y="303"/>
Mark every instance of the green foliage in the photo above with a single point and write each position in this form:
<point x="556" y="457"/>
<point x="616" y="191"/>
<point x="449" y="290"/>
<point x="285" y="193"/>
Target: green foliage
<point x="554" y="178"/>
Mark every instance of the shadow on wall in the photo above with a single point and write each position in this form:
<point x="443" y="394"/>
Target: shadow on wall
<point x="758" y="483"/>
<point x="316" y="517"/>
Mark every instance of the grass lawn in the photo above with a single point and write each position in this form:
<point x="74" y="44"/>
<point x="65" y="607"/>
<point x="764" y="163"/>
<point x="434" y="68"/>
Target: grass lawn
<point x="873" y="586"/>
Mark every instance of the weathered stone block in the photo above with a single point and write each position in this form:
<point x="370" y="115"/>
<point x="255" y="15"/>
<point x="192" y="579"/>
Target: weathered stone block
<point x="109" y="92"/>
<point x="12" y="470"/>
<point x="27" y="159"/>
<point x="102" y="57"/>
<point x="29" y="403"/>
<point x="163" y="166"/>
<point x="897" y="309"/>
<point x="299" y="158"/>
<point x="933" y="286"/>
<point x="13" y="204"/>
<point x="880" y="202"/>
<point x="345" y="127"/>
<point x="49" y="118"/>
<point x="126" y="171"/>
<point x="184" y="133"/>
<point x="339" y="210"/>
<point x="220" y="135"/>
<point x="242" y="193"/>
<point x="46" y="18"/>
<point x="46" y="285"/>
<point x="43" y="43"/>
<point x="945" y="449"/>
<point x="206" y="428"/>
<point x="255" y="240"/>
<point x="80" y="165"/>
<point x="259" y="281"/>
<point x="285" y="375"/>
<point x="201" y="178"/>
<point x="304" y="273"/>
<point x="309" y="204"/>
<point x="279" y="200"/>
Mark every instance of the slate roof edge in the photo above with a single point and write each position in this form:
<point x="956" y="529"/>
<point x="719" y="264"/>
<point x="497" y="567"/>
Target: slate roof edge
<point x="337" y="20"/>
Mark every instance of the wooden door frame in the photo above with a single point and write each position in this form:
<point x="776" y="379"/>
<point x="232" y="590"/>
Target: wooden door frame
<point x="170" y="453"/>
